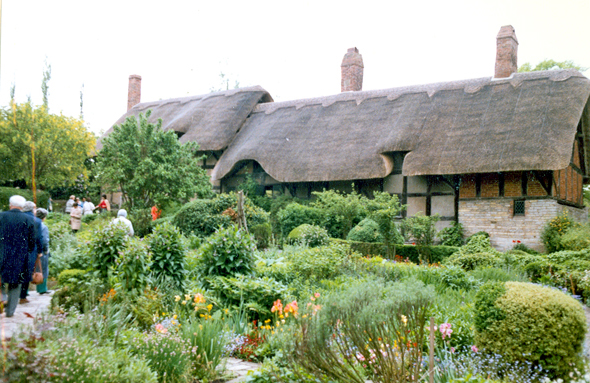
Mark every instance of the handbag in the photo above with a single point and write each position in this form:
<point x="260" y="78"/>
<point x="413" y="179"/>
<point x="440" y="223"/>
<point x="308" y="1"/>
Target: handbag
<point x="37" y="277"/>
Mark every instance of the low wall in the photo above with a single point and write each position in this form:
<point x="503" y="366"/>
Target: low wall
<point x="495" y="216"/>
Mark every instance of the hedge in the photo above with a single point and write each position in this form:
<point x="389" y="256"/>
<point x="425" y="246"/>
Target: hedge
<point x="433" y="254"/>
<point x="6" y="193"/>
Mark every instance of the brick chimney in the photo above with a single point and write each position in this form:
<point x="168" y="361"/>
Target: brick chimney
<point x="352" y="71"/>
<point x="506" y="52"/>
<point x="134" y="95"/>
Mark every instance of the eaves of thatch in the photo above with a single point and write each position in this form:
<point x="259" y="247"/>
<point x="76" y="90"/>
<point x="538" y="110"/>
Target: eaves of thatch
<point x="525" y="122"/>
<point x="211" y="120"/>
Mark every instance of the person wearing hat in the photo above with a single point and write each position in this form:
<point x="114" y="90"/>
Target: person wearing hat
<point x="17" y="241"/>
<point x="29" y="209"/>
<point x="123" y="221"/>
<point x="70" y="204"/>
<point x="42" y="214"/>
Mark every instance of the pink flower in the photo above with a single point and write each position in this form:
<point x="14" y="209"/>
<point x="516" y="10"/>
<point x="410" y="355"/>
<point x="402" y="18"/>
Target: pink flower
<point x="452" y="350"/>
<point x="445" y="330"/>
<point x="317" y="295"/>
<point x="474" y="348"/>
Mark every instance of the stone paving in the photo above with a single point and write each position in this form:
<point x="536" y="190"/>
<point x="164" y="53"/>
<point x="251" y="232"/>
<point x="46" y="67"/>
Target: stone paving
<point x="25" y="314"/>
<point x="240" y="368"/>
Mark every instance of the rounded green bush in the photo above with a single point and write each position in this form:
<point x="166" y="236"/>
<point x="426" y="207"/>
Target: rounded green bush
<point x="527" y="322"/>
<point x="470" y="262"/>
<point x="168" y="251"/>
<point x="71" y="276"/>
<point x="228" y="252"/>
<point x="294" y="215"/>
<point x="366" y="231"/>
<point x="309" y="235"/>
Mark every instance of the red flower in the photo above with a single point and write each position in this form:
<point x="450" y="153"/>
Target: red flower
<point x="518" y="241"/>
<point x="513" y="241"/>
<point x="414" y="243"/>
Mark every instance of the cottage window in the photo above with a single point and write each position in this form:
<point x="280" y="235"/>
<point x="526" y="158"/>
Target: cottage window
<point x="519" y="207"/>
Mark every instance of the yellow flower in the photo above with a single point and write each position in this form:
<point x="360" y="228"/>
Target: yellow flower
<point x="267" y="321"/>
<point x="176" y="298"/>
<point x="209" y="306"/>
<point x="174" y="317"/>
<point x="187" y="297"/>
<point x="183" y="302"/>
<point x="404" y="320"/>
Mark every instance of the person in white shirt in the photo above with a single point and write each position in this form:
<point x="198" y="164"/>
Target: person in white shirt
<point x="88" y="207"/>
<point x="122" y="219"/>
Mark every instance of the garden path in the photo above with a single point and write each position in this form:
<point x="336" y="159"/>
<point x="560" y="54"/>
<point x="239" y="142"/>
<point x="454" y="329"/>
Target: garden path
<point x="240" y="368"/>
<point x="24" y="315"/>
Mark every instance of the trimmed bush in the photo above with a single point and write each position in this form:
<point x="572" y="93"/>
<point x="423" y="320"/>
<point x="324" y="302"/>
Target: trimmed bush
<point x="6" y="193"/>
<point x="526" y="322"/>
<point x="71" y="277"/>
<point x="309" y="235"/>
<point x="262" y="234"/>
<point x="366" y="231"/>
<point x="295" y="215"/>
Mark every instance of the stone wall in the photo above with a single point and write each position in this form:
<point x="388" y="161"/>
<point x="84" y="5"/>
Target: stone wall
<point x="495" y="216"/>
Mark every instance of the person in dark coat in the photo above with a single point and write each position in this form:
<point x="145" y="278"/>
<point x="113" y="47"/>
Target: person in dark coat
<point x="29" y="209"/>
<point x="17" y="241"/>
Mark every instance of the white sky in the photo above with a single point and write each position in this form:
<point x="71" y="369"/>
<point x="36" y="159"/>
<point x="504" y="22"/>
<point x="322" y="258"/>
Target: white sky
<point x="291" y="48"/>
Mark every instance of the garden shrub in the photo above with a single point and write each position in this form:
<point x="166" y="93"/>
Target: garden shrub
<point x="569" y="275"/>
<point x="166" y="354"/>
<point x="421" y="228"/>
<point x="132" y="266"/>
<point x="366" y="231"/>
<point x="452" y="235"/>
<point x="7" y="192"/>
<point x="471" y="261"/>
<point x="81" y="360"/>
<point x="142" y="221"/>
<point x="168" y="253"/>
<point x="340" y="211"/>
<point x="522" y="247"/>
<point x="554" y="230"/>
<point x="519" y="259"/>
<point x="294" y="215"/>
<point x="104" y="248"/>
<point x="526" y="322"/>
<point x="308" y="235"/>
<point x="576" y="238"/>
<point x="255" y="294"/>
<point x="567" y="255"/>
<point x="87" y="218"/>
<point x="488" y="274"/>
<point x="319" y="263"/>
<point x="262" y="234"/>
<point x="455" y="306"/>
<point x="23" y="361"/>
<point x="83" y="295"/>
<point x="478" y="244"/>
<point x="200" y="217"/>
<point x="227" y="253"/>
<point x="454" y="277"/>
<point x="540" y="270"/>
<point x="71" y="277"/>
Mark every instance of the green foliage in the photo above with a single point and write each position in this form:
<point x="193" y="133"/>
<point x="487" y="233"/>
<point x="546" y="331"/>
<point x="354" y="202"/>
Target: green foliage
<point x="132" y="266"/>
<point x="71" y="277"/>
<point x="526" y="322"/>
<point x="383" y="209"/>
<point x="315" y="264"/>
<point x="294" y="215"/>
<point x="87" y="218"/>
<point x="6" y="193"/>
<point x="479" y="243"/>
<point x="104" y="248"/>
<point x="81" y="296"/>
<point x="420" y="228"/>
<point x="554" y="230"/>
<point x="472" y="261"/>
<point x="452" y="235"/>
<point x="81" y="360"/>
<point x="525" y="248"/>
<point x="308" y="235"/>
<point x="61" y="145"/>
<point x="577" y="238"/>
<point x="200" y="217"/>
<point x="142" y="221"/>
<point x="455" y="306"/>
<point x="23" y="362"/>
<point x="366" y="231"/>
<point x="549" y="64"/>
<point x="168" y="254"/>
<point x="166" y="354"/>
<point x="362" y="319"/>
<point x="262" y="234"/>
<point x="341" y="211"/>
<point x="254" y="294"/>
<point x="150" y="166"/>
<point x="227" y="253"/>
<point x="207" y="340"/>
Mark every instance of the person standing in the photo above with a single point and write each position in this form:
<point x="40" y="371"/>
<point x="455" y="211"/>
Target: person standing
<point x="81" y="204"/>
<point x="42" y="214"/>
<point x="104" y="204"/>
<point x="70" y="204"/>
<point x="88" y="207"/>
<point x="29" y="209"/>
<point x="76" y="218"/>
<point x="17" y="240"/>
<point x="122" y="220"/>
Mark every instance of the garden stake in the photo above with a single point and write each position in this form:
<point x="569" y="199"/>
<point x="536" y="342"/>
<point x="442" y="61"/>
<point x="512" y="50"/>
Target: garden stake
<point x="431" y="355"/>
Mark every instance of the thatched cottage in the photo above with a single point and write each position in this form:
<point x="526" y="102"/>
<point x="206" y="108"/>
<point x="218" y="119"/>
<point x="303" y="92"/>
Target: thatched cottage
<point x="502" y="154"/>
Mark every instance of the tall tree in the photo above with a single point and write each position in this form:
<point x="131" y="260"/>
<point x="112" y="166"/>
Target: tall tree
<point x="550" y="64"/>
<point x="57" y="145"/>
<point x="150" y="166"/>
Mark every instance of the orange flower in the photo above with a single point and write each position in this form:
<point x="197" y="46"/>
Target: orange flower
<point x="277" y="307"/>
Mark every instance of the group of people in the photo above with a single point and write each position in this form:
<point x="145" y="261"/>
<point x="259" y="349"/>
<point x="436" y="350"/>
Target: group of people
<point x="24" y="242"/>
<point x="76" y="209"/>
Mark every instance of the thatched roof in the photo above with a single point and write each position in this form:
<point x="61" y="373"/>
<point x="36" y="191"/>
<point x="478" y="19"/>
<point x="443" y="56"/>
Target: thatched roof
<point x="211" y="120"/>
<point x="525" y="122"/>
